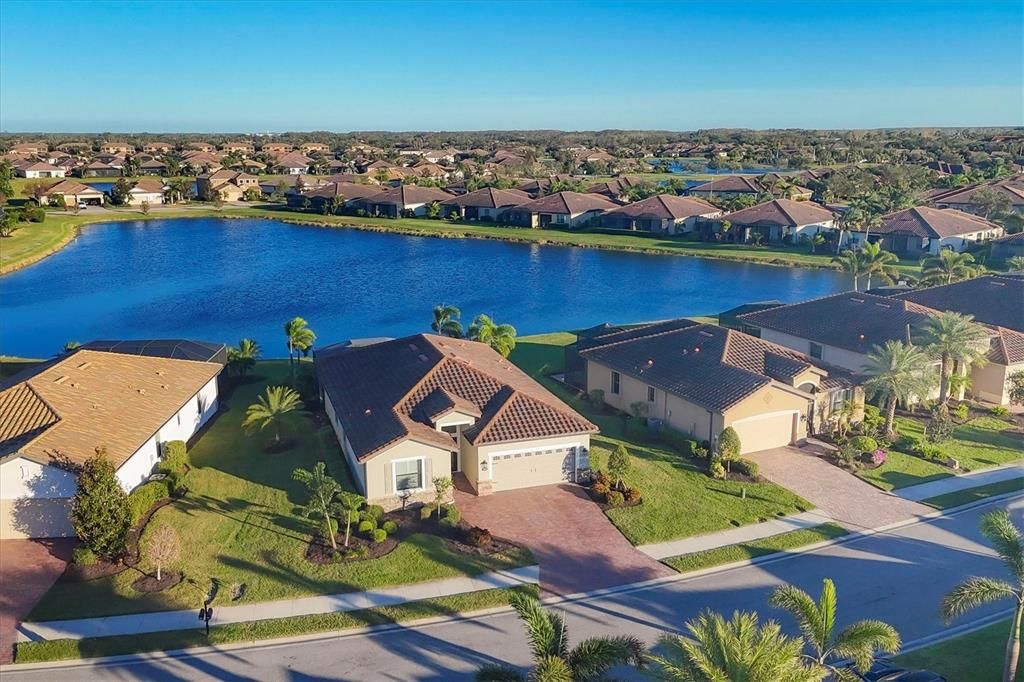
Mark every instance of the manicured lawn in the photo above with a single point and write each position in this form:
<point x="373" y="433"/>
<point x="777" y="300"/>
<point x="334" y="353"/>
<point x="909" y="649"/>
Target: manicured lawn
<point x="757" y="548"/>
<point x="960" y="497"/>
<point x="975" y="657"/>
<point x="239" y="524"/>
<point x="977" y="444"/>
<point x="33" y="652"/>
<point x="679" y="498"/>
<point x="11" y="365"/>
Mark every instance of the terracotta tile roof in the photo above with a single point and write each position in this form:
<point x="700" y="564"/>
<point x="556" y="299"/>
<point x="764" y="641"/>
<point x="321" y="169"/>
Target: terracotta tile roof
<point x="406" y="195"/>
<point x="383" y="392"/>
<point x="923" y="221"/>
<point x="70" y="186"/>
<point x="666" y="206"/>
<point x="571" y="203"/>
<point x="488" y="197"/>
<point x="733" y="184"/>
<point x="613" y="187"/>
<point x="92" y="398"/>
<point x="993" y="299"/>
<point x="1012" y="187"/>
<point x="1012" y="238"/>
<point x="41" y="166"/>
<point x="346" y="190"/>
<point x="1007" y="347"/>
<point x="148" y="185"/>
<point x="784" y="212"/>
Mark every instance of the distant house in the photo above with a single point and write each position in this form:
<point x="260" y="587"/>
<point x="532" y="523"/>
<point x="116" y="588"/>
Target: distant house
<point x="562" y="209"/>
<point x="294" y="163"/>
<point x="728" y="187"/>
<point x="203" y="162"/>
<point x="922" y="231"/>
<point x="402" y="200"/>
<point x="484" y="204"/>
<point x="614" y="189"/>
<point x="315" y="148"/>
<point x="205" y="147"/>
<point x="157" y="147"/>
<point x="74" y="193"/>
<point x="291" y="183"/>
<point x="29" y="148"/>
<point x="152" y="167"/>
<point x="1007" y="247"/>
<point x="426" y="169"/>
<point x="776" y="220"/>
<point x="254" y="167"/>
<point x="242" y="148"/>
<point x="343" y="193"/>
<point x="119" y="148"/>
<point x="231" y="185"/>
<point x="99" y="169"/>
<point x="963" y="199"/>
<point x="440" y="155"/>
<point x="662" y="213"/>
<point x="38" y="169"/>
<point x="943" y="168"/>
<point x="146" y="190"/>
<point x="276" y="148"/>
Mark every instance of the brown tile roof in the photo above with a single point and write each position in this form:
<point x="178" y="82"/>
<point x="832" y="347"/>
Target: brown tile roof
<point x="1012" y="187"/>
<point x="148" y="185"/>
<point x="92" y="398"/>
<point x="346" y="190"/>
<point x="382" y="392"/>
<point x="923" y="221"/>
<point x="666" y="206"/>
<point x="406" y="195"/>
<point x="571" y="203"/>
<point x="41" y="166"/>
<point x="1013" y="238"/>
<point x="1007" y="347"/>
<point x="733" y="184"/>
<point x="613" y="187"/>
<point x="781" y="212"/>
<point x="488" y="197"/>
<point x="996" y="300"/>
<point x="70" y="186"/>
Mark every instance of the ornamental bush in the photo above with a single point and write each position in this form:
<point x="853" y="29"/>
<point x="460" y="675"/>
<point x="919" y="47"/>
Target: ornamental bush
<point x="633" y="496"/>
<point x="367" y="526"/>
<point x="478" y="537"/>
<point x="729" y="445"/>
<point x="717" y="470"/>
<point x="863" y="443"/>
<point x="878" y="457"/>
<point x="380" y="535"/>
<point x="100" y="512"/>
<point x="600" y="489"/>
<point x="389" y="527"/>
<point x="746" y="467"/>
<point x="616" y="499"/>
<point x="83" y="556"/>
<point x="426" y="511"/>
<point x="961" y="412"/>
<point x="619" y="464"/>
<point x="1000" y="411"/>
<point x="452" y="514"/>
<point x="145" y="496"/>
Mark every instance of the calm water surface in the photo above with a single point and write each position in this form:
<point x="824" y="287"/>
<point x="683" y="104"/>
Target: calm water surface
<point x="219" y="280"/>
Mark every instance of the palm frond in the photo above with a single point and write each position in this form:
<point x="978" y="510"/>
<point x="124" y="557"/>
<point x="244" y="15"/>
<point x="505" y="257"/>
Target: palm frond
<point x="496" y="672"/>
<point x="861" y="640"/>
<point x="974" y="592"/>
<point x="551" y="669"/>
<point x="1006" y="539"/>
<point x="544" y="629"/>
<point x="807" y="614"/>
<point x="591" y="658"/>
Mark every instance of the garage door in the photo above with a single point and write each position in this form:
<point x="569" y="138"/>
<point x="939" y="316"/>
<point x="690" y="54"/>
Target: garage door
<point x="765" y="431"/>
<point x="514" y="470"/>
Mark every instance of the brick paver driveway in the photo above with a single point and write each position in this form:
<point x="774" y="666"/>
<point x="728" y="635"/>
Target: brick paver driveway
<point x="577" y="547"/>
<point x="27" y="570"/>
<point x="847" y="499"/>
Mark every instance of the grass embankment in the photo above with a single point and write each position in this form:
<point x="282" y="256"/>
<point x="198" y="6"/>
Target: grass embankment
<point x="757" y="548"/>
<point x="240" y="524"/>
<point x="679" y="499"/>
<point x="61" y="649"/>
<point x="961" y="497"/>
<point x="974" y="657"/>
<point x="977" y="444"/>
<point x="11" y="365"/>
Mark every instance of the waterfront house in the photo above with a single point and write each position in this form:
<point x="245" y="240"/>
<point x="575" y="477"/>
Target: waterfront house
<point x="923" y="231"/>
<point x="152" y="167"/>
<point x="405" y="200"/>
<point x="487" y="204"/>
<point x="74" y="193"/>
<point x="561" y="209"/>
<point x="776" y="220"/>
<point x="38" y="169"/>
<point x="146" y="190"/>
<point x="963" y="198"/>
<point x="99" y="169"/>
<point x="728" y="187"/>
<point x="343" y="194"/>
<point x="662" y="213"/>
<point x="231" y="184"/>
<point x="1007" y="247"/>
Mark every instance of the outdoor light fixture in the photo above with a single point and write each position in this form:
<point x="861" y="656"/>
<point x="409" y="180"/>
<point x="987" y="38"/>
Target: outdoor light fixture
<point x="205" y="615"/>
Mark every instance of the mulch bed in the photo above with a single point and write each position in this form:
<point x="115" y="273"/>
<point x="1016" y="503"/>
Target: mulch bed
<point x="600" y="501"/>
<point x="148" y="583"/>
<point x="284" y="446"/>
<point x="319" y="551"/>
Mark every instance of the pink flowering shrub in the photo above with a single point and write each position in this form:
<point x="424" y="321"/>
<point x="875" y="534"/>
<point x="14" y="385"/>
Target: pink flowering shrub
<point x="878" y="457"/>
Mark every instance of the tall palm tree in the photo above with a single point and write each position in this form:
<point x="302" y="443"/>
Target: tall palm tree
<point x="877" y="263"/>
<point x="955" y="340"/>
<point x="718" y="650"/>
<point x="858" y="641"/>
<point x="1008" y="542"/>
<point x="322" y="490"/>
<point x="896" y="373"/>
<point x="500" y="337"/>
<point x="300" y="339"/>
<point x="948" y="267"/>
<point x="242" y="358"/>
<point x="849" y="261"/>
<point x="553" y="659"/>
<point x="278" y="408"/>
<point x="447" y="321"/>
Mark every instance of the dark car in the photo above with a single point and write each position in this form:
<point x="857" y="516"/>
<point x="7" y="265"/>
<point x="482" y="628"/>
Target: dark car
<point x="887" y="671"/>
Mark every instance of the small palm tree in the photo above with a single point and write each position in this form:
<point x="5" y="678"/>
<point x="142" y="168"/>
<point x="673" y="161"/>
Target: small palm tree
<point x="877" y="263"/>
<point x="948" y="267"/>
<point x="1015" y="264"/>
<point x="718" y="650"/>
<point x="349" y="504"/>
<point x="858" y="641"/>
<point x="278" y="408"/>
<point x="300" y="339"/>
<point x="553" y="659"/>
<point x="955" y="340"/>
<point x="1008" y="542"/>
<point x="322" y="490"/>
<point x="242" y="358"/>
<point x="500" y="337"/>
<point x="849" y="261"/>
<point x="817" y="240"/>
<point x="896" y="373"/>
<point x="446" y="321"/>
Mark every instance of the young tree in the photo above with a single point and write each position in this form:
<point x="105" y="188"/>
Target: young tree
<point x="6" y="175"/>
<point x="349" y="504"/>
<point x="948" y="267"/>
<point x="955" y="340"/>
<point x="896" y="373"/>
<point x="858" y="641"/>
<point x="850" y="262"/>
<point x="99" y="509"/>
<point x="500" y="337"/>
<point x="1006" y="538"/>
<point x="442" y="484"/>
<point x="447" y="321"/>
<point x="619" y="464"/>
<point x="120" y="191"/>
<point x="729" y="447"/>
<point x="278" y="408"/>
<point x="1017" y="388"/>
<point x="163" y="548"/>
<point x="144" y="207"/>
<point x="321" y="506"/>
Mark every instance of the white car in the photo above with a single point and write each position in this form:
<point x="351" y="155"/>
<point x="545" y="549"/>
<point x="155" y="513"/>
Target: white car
<point x="82" y="204"/>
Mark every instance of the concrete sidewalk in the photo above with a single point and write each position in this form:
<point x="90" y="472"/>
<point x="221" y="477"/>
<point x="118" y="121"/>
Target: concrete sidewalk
<point x="163" y="621"/>
<point x="952" y="484"/>
<point x="733" y="536"/>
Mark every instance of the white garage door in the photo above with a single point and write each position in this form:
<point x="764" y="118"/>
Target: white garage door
<point x="765" y="431"/>
<point x="514" y="470"/>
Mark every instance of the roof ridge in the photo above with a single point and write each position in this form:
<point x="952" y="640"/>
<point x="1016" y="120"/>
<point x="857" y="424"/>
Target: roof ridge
<point x="512" y="393"/>
<point x="782" y="209"/>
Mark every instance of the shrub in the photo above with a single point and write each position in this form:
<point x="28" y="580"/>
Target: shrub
<point x="452" y="514"/>
<point x="596" y="397"/>
<point x="373" y="511"/>
<point x="389" y="527"/>
<point x="846" y="453"/>
<point x="878" y="457"/>
<point x="940" y="427"/>
<point x="99" y="510"/>
<point x="717" y="470"/>
<point x="145" y="496"/>
<point x="380" y="535"/>
<point x="448" y="522"/>
<point x="961" y="412"/>
<point x="729" y="445"/>
<point x="34" y="214"/>
<point x="600" y="489"/>
<point x="426" y="511"/>
<point x="619" y="464"/>
<point x="746" y="467"/>
<point x="367" y="526"/>
<point x="83" y="556"/>
<point x="478" y="537"/>
<point x="1000" y="411"/>
<point x="701" y="452"/>
<point x="175" y="456"/>
<point x="677" y="440"/>
<point x="633" y="495"/>
<point x="929" y="451"/>
<point x="616" y="499"/>
<point x="873" y="418"/>
<point x="602" y="478"/>
<point x="863" y="443"/>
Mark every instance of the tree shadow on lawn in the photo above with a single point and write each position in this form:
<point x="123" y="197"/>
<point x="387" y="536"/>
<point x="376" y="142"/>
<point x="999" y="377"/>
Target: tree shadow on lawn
<point x="239" y="510"/>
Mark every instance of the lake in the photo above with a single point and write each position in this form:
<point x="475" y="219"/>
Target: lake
<point x="219" y="280"/>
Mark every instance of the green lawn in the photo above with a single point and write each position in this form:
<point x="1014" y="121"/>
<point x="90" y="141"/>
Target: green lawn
<point x="679" y="498"/>
<point x="977" y="444"/>
<point x="91" y="647"/>
<point x="757" y="548"/>
<point x="980" y="492"/>
<point x="975" y="657"/>
<point x="11" y="365"/>
<point x="240" y="524"/>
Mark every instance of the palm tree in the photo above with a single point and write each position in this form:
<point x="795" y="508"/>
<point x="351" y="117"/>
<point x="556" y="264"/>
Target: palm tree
<point x="956" y="340"/>
<point x="878" y="263"/>
<point x="500" y="337"/>
<point x="300" y="339"/>
<point x="849" y="261"/>
<point x="718" y="650"/>
<point x="242" y="358"/>
<point x="446" y="321"/>
<point x="349" y="504"/>
<point x="1015" y="264"/>
<point x="279" y="407"/>
<point x="896" y="373"/>
<point x="321" y="506"/>
<point x="553" y="659"/>
<point x="948" y="267"/>
<point x="1008" y="542"/>
<point x="817" y="240"/>
<point x="858" y="641"/>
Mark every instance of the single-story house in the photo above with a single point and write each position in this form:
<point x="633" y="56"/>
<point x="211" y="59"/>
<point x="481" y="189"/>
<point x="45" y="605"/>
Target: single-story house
<point x="99" y="169"/>
<point x="663" y="213"/>
<point x="344" y="192"/>
<point x="614" y="189"/>
<point x="38" y="169"/>
<point x="561" y="209"/>
<point x="153" y="167"/>
<point x="962" y="199"/>
<point x="146" y="190"/>
<point x="776" y="220"/>
<point x="922" y="231"/>
<point x="408" y="410"/>
<point x="484" y="204"/>
<point x="991" y="299"/>
<point x="29" y="148"/>
<point x="702" y="378"/>
<point x="290" y="183"/>
<point x="540" y="186"/>
<point x="231" y="184"/>
<point x="294" y="163"/>
<point x="728" y="187"/>
<point x="126" y="399"/>
<point x="404" y="199"/>
<point x="1004" y="248"/>
<point x="74" y="192"/>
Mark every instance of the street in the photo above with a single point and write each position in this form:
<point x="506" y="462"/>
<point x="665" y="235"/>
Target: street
<point x="899" y="577"/>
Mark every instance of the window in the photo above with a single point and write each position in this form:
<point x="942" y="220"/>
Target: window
<point x="650" y="394"/>
<point x="816" y="350"/>
<point x="615" y="383"/>
<point x="408" y="475"/>
<point x="840" y="397"/>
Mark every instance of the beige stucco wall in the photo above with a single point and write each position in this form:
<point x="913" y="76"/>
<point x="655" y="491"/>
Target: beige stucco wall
<point x="829" y="354"/>
<point x="28" y="517"/>
<point x="379" y="472"/>
<point x="523" y="472"/>
<point x="990" y="382"/>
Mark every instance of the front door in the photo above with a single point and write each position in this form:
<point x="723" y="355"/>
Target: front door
<point x="455" y="462"/>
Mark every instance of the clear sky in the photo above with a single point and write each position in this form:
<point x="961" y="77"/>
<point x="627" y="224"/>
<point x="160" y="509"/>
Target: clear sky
<point x="294" y="65"/>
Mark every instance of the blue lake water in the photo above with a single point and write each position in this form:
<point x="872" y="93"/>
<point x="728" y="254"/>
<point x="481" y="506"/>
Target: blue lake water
<point x="219" y="280"/>
<point x="680" y="168"/>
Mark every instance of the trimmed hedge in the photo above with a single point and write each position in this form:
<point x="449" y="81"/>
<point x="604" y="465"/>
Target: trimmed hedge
<point x="745" y="467"/>
<point x="146" y="495"/>
<point x="677" y="440"/>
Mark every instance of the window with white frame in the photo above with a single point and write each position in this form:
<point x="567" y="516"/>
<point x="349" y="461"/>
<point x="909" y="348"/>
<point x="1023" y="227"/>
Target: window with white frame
<point x="839" y="397"/>
<point x="408" y="474"/>
<point x="615" y="382"/>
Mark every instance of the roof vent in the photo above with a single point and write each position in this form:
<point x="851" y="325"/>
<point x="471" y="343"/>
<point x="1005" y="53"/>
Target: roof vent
<point x="423" y="357"/>
<point x="85" y="365"/>
<point x="705" y="333"/>
<point x="142" y="391"/>
<point x="856" y="300"/>
<point x="413" y="347"/>
<point x="61" y="379"/>
<point x="367" y="412"/>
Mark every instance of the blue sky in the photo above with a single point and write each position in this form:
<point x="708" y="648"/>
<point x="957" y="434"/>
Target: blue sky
<point x="276" y="66"/>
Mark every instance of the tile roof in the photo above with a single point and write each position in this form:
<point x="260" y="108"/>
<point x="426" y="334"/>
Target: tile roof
<point x="383" y="393"/>
<point x="488" y="197"/>
<point x="346" y="190"/>
<point x="666" y="206"/>
<point x="151" y="185"/>
<point x="781" y="212"/>
<point x="993" y="299"/>
<point x="1012" y="187"/>
<point x="70" y="186"/>
<point x="923" y="221"/>
<point x="406" y="195"/>
<point x="1007" y="347"/>
<point x="735" y="184"/>
<point x="571" y="203"/>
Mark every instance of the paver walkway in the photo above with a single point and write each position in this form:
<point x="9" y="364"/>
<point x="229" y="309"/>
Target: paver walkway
<point x="28" y="568"/>
<point x="952" y="484"/>
<point x="162" y="621"/>
<point x="848" y="500"/>
<point x="577" y="547"/>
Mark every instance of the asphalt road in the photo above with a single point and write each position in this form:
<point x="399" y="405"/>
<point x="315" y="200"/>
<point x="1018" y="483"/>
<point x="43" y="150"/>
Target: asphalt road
<point x="898" y="576"/>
